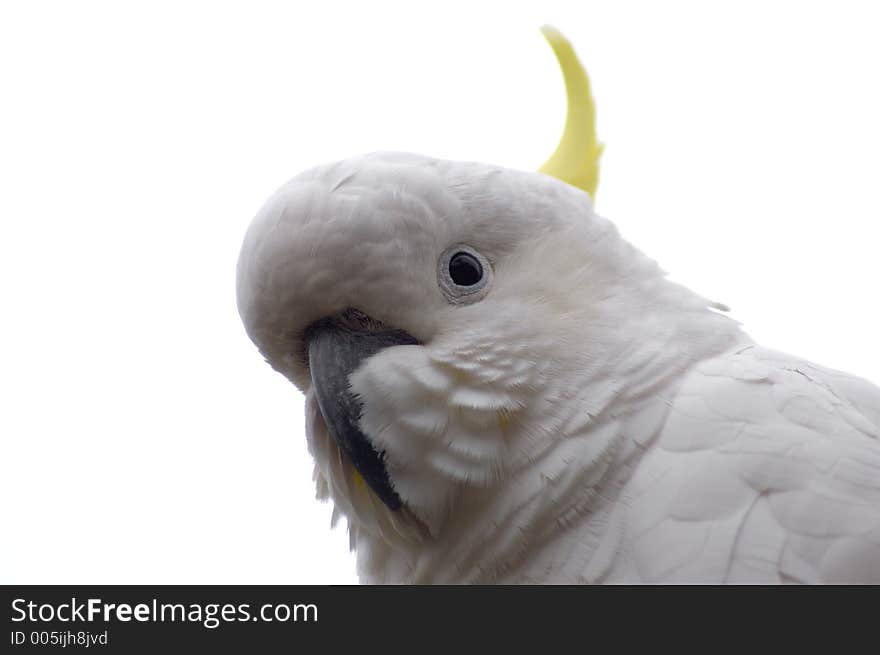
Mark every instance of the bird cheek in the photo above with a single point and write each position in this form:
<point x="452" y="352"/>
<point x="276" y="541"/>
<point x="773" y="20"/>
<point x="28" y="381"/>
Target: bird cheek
<point x="404" y="416"/>
<point x="440" y="433"/>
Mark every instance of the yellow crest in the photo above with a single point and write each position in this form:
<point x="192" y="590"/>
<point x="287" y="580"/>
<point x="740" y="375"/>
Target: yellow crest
<point x="576" y="158"/>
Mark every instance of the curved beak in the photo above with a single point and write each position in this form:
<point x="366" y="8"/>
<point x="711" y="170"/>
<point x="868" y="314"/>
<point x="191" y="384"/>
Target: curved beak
<point x="336" y="347"/>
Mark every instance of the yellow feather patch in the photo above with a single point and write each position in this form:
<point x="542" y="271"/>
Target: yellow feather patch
<point x="359" y="481"/>
<point x="576" y="159"/>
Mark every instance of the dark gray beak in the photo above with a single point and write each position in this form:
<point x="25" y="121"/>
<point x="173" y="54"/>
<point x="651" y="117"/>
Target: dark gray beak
<point x="336" y="347"/>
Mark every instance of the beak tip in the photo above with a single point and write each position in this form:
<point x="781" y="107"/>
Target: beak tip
<point x="335" y="349"/>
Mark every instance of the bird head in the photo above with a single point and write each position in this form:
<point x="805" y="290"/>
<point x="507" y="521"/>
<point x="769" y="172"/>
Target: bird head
<point x="442" y="318"/>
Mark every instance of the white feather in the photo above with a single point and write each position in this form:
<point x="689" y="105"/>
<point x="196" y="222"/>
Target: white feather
<point x="585" y="421"/>
<point x="765" y="471"/>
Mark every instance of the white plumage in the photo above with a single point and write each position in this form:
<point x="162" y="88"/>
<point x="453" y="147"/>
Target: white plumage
<point x="587" y="420"/>
<point x="766" y="469"/>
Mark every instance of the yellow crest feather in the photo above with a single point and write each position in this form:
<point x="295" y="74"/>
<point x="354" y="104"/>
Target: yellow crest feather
<point x="576" y="158"/>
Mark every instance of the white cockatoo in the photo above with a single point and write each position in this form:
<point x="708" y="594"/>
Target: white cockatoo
<point x="500" y="389"/>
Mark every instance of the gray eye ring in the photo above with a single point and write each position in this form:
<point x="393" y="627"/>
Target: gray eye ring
<point x="464" y="293"/>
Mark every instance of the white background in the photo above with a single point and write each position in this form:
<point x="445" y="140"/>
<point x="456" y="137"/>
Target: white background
<point x="143" y="438"/>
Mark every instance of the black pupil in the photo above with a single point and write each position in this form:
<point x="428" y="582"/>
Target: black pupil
<point x="465" y="270"/>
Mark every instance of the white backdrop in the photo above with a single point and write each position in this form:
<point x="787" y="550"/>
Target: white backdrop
<point x="143" y="438"/>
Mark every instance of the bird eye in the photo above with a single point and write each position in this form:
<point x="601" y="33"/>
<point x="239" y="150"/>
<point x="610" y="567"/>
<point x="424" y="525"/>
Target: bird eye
<point x="464" y="274"/>
<point x="465" y="270"/>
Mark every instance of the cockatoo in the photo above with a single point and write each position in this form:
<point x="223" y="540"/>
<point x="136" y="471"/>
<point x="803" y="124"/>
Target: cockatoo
<point x="500" y="389"/>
